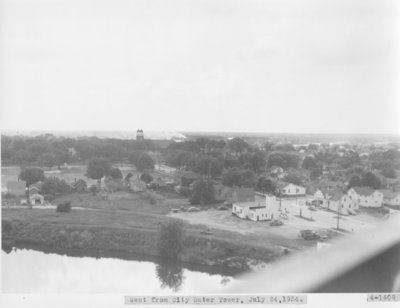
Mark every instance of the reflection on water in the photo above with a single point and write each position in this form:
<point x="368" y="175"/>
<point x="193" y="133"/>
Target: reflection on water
<point x="31" y="271"/>
<point x="170" y="275"/>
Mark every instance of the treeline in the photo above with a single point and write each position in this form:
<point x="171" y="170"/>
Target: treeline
<point x="49" y="150"/>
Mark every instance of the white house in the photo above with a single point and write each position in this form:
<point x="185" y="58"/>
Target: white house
<point x="341" y="202"/>
<point x="391" y="197"/>
<point x="36" y="199"/>
<point x="366" y="196"/>
<point x="291" y="190"/>
<point x="256" y="210"/>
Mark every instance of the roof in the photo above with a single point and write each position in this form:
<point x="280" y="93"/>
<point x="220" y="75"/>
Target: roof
<point x="16" y="187"/>
<point x="336" y="196"/>
<point x="281" y="185"/>
<point x="364" y="191"/>
<point x="250" y="204"/>
<point x="244" y="195"/>
<point x="37" y="185"/>
<point x="389" y="193"/>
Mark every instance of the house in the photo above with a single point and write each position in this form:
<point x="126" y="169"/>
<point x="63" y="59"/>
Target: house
<point x="136" y="184"/>
<point x="366" y="196"/>
<point x="338" y="201"/>
<point x="290" y="190"/>
<point x="257" y="210"/>
<point x="79" y="186"/>
<point x="17" y="188"/>
<point x="391" y="197"/>
<point x="36" y="199"/>
<point x="35" y="188"/>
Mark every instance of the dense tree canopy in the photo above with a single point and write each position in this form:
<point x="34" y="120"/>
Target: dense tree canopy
<point x="97" y="168"/>
<point x="115" y="173"/>
<point x="202" y="193"/>
<point x="141" y="160"/>
<point x="31" y="175"/>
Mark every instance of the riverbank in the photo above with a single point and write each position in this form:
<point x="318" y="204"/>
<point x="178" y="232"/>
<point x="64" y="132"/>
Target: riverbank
<point x="131" y="234"/>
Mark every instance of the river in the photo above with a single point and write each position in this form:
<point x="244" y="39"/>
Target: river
<point x="32" y="271"/>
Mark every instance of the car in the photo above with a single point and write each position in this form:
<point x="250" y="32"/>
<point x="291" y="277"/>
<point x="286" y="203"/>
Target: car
<point x="276" y="222"/>
<point x="309" y="235"/>
<point x="312" y="208"/>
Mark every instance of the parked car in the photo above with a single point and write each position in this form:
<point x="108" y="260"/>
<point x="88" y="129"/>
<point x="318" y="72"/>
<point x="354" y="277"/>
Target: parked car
<point x="276" y="222"/>
<point x="309" y="235"/>
<point x="312" y="208"/>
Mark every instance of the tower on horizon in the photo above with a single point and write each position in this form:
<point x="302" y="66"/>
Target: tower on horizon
<point x="139" y="135"/>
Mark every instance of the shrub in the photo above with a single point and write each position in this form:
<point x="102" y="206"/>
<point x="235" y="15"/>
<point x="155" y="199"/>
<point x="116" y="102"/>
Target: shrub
<point x="150" y="197"/>
<point x="185" y="191"/>
<point x="93" y="189"/>
<point x="147" y="178"/>
<point x="64" y="207"/>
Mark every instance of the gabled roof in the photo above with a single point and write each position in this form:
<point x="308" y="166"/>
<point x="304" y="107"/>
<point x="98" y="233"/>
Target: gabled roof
<point x="364" y="191"/>
<point x="336" y="196"/>
<point x="249" y="204"/>
<point x="389" y="193"/>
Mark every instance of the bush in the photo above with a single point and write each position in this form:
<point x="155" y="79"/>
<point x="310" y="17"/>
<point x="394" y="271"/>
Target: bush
<point x="150" y="197"/>
<point x="147" y="178"/>
<point x="184" y="191"/>
<point x="64" y="207"/>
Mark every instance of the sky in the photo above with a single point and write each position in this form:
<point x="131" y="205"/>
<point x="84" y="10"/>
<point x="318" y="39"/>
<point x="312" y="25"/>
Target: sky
<point x="279" y="66"/>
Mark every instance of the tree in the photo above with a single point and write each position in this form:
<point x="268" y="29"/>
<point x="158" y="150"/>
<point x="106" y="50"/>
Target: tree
<point x="265" y="185"/>
<point x="31" y="175"/>
<point x="208" y="165"/>
<point x="147" y="178"/>
<point x="55" y="186"/>
<point x="315" y="173"/>
<point x="389" y="173"/>
<point x="293" y="178"/>
<point x="115" y="173"/>
<point x="128" y="176"/>
<point x="141" y="160"/>
<point x="170" y="240"/>
<point x="371" y="180"/>
<point x="258" y="161"/>
<point x="238" y="145"/>
<point x="309" y="163"/>
<point x="62" y="156"/>
<point x="47" y="160"/>
<point x="232" y="177"/>
<point x="97" y="168"/>
<point x="202" y="193"/>
<point x="355" y="181"/>
<point x="249" y="178"/>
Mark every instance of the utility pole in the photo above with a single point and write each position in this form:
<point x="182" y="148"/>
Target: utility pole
<point x="338" y="216"/>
